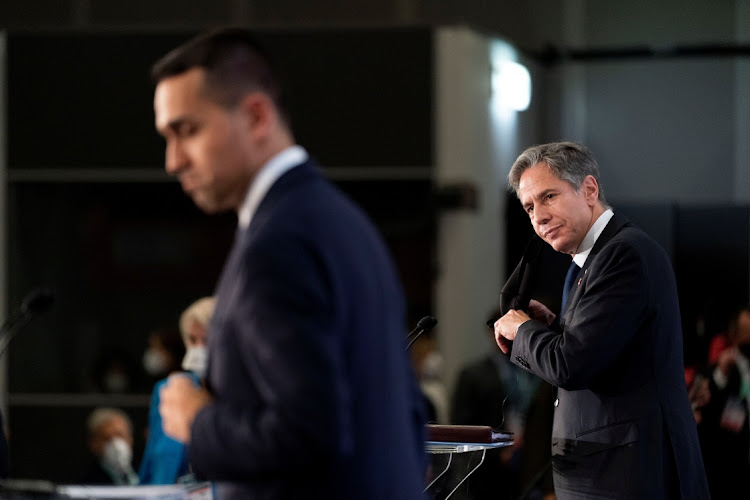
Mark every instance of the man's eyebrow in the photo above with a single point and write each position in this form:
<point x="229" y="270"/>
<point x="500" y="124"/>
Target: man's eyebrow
<point x="538" y="196"/>
<point x="176" y="123"/>
<point x="173" y="124"/>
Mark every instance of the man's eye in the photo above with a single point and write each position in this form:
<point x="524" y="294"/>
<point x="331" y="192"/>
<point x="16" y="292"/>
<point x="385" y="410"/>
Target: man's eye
<point x="186" y="129"/>
<point x="529" y="210"/>
<point x="550" y="196"/>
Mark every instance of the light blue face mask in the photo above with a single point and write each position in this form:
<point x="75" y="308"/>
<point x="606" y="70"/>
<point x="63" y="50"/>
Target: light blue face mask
<point x="196" y="360"/>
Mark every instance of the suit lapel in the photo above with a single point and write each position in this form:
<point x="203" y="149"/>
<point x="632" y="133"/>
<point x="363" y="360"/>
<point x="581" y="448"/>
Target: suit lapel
<point x="615" y="224"/>
<point x="228" y="282"/>
<point x="613" y="227"/>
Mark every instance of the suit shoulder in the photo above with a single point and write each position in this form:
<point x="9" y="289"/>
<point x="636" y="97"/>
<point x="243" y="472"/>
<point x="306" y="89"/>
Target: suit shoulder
<point x="632" y="236"/>
<point x="634" y="248"/>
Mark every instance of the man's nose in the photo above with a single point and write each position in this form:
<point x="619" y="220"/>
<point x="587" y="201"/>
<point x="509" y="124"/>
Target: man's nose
<point x="541" y="215"/>
<point x="176" y="159"/>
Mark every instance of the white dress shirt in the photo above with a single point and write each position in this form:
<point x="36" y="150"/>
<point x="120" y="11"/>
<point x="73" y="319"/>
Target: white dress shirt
<point x="584" y="249"/>
<point x="277" y="166"/>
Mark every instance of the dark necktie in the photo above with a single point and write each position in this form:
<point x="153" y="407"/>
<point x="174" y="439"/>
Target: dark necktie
<point x="569" y="280"/>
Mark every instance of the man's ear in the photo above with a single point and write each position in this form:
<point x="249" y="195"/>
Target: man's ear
<point x="259" y="114"/>
<point x="590" y="189"/>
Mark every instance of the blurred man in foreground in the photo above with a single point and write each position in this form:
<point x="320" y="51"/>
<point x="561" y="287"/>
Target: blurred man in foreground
<point x="310" y="392"/>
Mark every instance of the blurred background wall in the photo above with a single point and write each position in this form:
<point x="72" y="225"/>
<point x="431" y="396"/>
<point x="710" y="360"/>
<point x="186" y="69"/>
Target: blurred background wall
<point x="395" y="98"/>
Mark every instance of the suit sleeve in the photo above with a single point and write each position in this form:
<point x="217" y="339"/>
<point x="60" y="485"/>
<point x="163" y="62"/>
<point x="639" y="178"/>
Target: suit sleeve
<point x="603" y="321"/>
<point x="290" y="343"/>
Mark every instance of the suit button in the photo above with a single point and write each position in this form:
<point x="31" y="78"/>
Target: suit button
<point x="557" y="402"/>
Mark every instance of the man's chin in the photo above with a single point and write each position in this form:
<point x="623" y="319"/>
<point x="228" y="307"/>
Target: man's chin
<point x="206" y="205"/>
<point x="559" y="245"/>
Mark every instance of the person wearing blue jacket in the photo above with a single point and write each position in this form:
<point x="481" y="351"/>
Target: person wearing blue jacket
<point x="165" y="459"/>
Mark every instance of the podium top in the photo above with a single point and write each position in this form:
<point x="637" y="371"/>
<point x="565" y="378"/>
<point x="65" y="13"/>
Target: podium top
<point x="480" y="434"/>
<point x="435" y="447"/>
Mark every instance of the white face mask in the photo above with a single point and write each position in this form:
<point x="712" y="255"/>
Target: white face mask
<point x="154" y="362"/>
<point x="117" y="455"/>
<point x="116" y="381"/>
<point x="196" y="360"/>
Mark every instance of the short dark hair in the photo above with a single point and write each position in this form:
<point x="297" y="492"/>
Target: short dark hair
<point x="569" y="161"/>
<point x="235" y="61"/>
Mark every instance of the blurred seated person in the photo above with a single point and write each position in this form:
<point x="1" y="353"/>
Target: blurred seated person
<point x="110" y="441"/>
<point x="724" y="428"/>
<point x="492" y="391"/>
<point x="428" y="366"/>
<point x="164" y="459"/>
<point x="115" y="372"/>
<point x="164" y="353"/>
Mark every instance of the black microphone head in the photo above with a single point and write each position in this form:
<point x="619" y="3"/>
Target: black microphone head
<point x="38" y="301"/>
<point x="427" y="323"/>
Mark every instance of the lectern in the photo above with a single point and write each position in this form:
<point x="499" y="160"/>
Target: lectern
<point x="459" y="439"/>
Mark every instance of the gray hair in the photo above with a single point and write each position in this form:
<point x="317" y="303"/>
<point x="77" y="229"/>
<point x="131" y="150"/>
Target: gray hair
<point x="100" y="416"/>
<point x="201" y="311"/>
<point x="569" y="161"/>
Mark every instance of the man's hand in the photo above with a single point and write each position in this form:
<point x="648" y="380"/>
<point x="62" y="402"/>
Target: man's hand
<point x="179" y="401"/>
<point x="506" y="327"/>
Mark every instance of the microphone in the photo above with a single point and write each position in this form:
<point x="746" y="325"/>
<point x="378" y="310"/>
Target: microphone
<point x="423" y="325"/>
<point x="36" y="302"/>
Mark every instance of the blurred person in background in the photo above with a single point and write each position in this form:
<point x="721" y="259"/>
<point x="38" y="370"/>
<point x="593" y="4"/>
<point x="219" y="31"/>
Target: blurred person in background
<point x="428" y="365"/>
<point x="164" y="459"/>
<point x="724" y="426"/>
<point x="110" y="441"/>
<point x="164" y="353"/>
<point x="115" y="371"/>
<point x="492" y="391"/>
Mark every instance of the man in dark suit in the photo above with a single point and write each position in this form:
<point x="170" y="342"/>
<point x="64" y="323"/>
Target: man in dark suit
<point x="310" y="391"/>
<point x="623" y="427"/>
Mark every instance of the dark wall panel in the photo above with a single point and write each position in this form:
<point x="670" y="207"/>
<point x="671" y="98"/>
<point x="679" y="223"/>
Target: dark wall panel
<point x="358" y="97"/>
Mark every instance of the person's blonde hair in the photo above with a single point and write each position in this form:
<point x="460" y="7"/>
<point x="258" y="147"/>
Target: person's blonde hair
<point x="201" y="311"/>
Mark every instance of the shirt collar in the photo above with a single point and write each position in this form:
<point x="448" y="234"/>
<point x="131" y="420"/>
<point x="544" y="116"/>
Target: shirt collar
<point x="584" y="249"/>
<point x="277" y="166"/>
